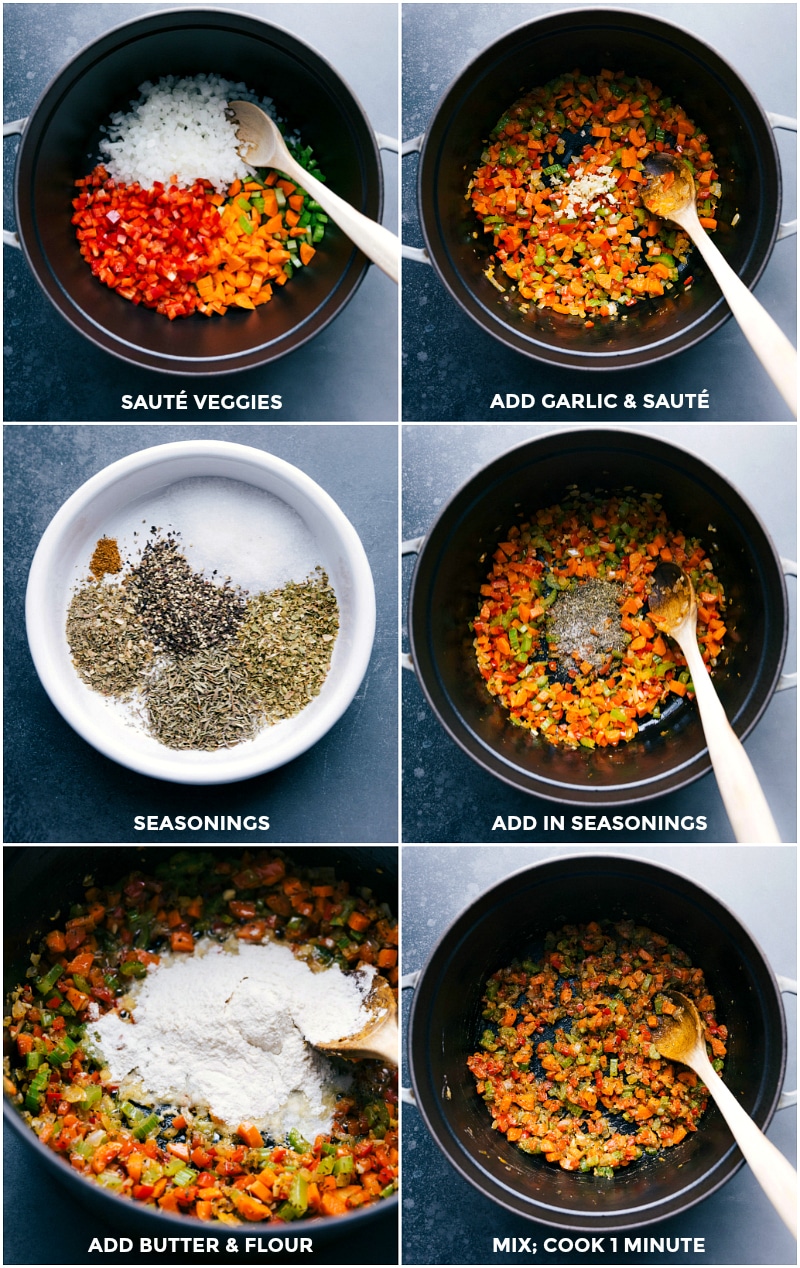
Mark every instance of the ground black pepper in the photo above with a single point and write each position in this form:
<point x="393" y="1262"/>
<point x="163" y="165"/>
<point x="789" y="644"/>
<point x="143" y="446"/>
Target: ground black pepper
<point x="182" y="611"/>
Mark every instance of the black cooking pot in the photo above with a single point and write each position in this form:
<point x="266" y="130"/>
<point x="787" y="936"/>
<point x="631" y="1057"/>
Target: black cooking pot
<point x="507" y="922"/>
<point x="452" y="565"/>
<point x="684" y="67"/>
<point x="63" y="130"/>
<point x="40" y="882"/>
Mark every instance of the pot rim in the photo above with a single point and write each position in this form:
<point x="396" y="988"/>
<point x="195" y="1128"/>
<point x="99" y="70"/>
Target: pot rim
<point x="162" y="362"/>
<point x="457" y="932"/>
<point x="546" y="787"/>
<point x="607" y="360"/>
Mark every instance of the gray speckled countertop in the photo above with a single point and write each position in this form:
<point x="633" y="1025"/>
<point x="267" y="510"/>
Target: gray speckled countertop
<point x="348" y="372"/>
<point x="58" y="788"/>
<point x="445" y="1219"/>
<point x="446" y="796"/>
<point x="452" y="368"/>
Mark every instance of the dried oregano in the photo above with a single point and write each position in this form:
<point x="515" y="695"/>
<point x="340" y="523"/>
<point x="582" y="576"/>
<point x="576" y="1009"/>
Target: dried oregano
<point x="286" y="641"/>
<point x="110" y="649"/>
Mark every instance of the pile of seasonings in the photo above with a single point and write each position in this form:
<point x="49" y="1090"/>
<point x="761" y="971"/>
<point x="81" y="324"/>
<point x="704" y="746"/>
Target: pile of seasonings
<point x="205" y="664"/>
<point x="110" y="647"/>
<point x="182" y="612"/>
<point x="105" y="558"/>
<point x="584" y="625"/>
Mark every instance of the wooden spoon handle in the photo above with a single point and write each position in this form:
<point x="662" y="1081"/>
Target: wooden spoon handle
<point x="773" y="349"/>
<point x="774" y="1173"/>
<point x="378" y="244"/>
<point x="741" y="792"/>
<point x="384" y="1044"/>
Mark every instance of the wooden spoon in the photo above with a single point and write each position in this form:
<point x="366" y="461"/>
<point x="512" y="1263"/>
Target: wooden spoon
<point x="673" y="609"/>
<point x="669" y="193"/>
<point x="261" y="145"/>
<point x="679" y="1037"/>
<point x="379" y="1038"/>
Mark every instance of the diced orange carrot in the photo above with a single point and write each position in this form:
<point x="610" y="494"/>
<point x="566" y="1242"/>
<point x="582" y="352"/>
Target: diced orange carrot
<point x="250" y="1134"/>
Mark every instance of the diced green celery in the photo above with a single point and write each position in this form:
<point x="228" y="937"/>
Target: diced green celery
<point x="184" y="1176"/>
<point x="45" y="984"/>
<point x="146" y="1126"/>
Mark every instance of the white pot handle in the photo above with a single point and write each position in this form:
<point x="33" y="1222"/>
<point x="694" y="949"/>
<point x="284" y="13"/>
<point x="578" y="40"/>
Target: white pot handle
<point x="15" y="128"/>
<point x="411" y="547"/>
<point x="787" y="680"/>
<point x="407" y="983"/>
<point x="790" y="124"/>
<point x="418" y="254"/>
<point x="787" y="985"/>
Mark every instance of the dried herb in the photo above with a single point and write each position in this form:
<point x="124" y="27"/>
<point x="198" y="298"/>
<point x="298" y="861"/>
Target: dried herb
<point x="286" y="641"/>
<point x="205" y="701"/>
<point x="182" y="611"/>
<point x="109" y="647"/>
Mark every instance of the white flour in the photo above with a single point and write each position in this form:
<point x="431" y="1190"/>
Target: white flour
<point x="229" y="1030"/>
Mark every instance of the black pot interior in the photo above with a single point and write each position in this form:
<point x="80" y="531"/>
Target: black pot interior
<point x="590" y="39"/>
<point x="60" y="144"/>
<point x="452" y="567"/>
<point x="40" y="882"/>
<point x="505" y="923"/>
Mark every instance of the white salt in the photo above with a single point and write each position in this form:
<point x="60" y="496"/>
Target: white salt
<point x="243" y="532"/>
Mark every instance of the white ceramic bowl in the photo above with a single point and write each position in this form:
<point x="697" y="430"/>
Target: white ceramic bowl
<point x="68" y="543"/>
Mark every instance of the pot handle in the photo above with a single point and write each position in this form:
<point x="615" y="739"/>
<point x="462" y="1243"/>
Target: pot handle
<point x="407" y="983"/>
<point x="790" y="124"/>
<point x="789" y="986"/>
<point x="410" y="547"/>
<point x="419" y="254"/>
<point x="787" y="680"/>
<point x="15" y="128"/>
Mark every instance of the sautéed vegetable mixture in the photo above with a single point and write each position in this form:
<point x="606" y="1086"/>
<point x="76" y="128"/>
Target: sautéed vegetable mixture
<point x="567" y="1065"/>
<point x="558" y="190"/>
<point x="562" y="635"/>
